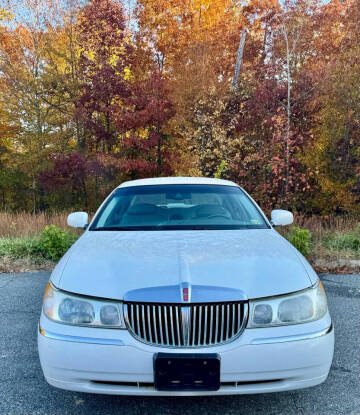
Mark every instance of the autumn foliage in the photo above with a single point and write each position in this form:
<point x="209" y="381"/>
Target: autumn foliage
<point x="264" y="93"/>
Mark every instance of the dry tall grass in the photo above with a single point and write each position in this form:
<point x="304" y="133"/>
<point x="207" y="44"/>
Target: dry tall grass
<point x="319" y="225"/>
<point x="27" y="224"/>
<point x="324" y="227"/>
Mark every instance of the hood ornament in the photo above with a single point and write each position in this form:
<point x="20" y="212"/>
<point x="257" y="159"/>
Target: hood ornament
<point x="185" y="292"/>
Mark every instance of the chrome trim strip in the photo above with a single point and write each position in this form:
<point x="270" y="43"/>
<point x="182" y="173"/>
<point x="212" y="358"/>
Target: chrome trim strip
<point x="233" y="320"/>
<point x="194" y="325"/>
<point x="160" y="326"/>
<point x="149" y="324"/>
<point x="205" y="328"/>
<point x="166" y="325"/>
<point x="172" y="325"/>
<point x="216" y="323"/>
<point x="178" y="331"/>
<point x="78" y="339"/>
<point x="200" y="327"/>
<point x="295" y="337"/>
<point x="137" y="318"/>
<point x="211" y="324"/>
<point x="143" y="321"/>
<point x="173" y="294"/>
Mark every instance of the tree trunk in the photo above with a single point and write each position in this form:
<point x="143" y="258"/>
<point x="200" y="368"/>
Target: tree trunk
<point x="239" y="57"/>
<point x="34" y="195"/>
<point x="288" y="112"/>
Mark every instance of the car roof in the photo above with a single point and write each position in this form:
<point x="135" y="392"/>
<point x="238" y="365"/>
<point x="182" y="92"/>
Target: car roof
<point x="177" y="180"/>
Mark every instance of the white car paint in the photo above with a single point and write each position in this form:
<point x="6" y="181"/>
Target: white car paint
<point x="109" y="264"/>
<point x="78" y="219"/>
<point x="281" y="217"/>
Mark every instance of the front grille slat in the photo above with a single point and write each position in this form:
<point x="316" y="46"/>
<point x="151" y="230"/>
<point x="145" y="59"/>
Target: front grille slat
<point x="154" y="324"/>
<point x="233" y="319"/>
<point x="166" y="326"/>
<point x="148" y="308"/>
<point x="227" y="321"/>
<point x="137" y="319"/>
<point x="207" y="324"/>
<point x="193" y="327"/>
<point x="216" y="323"/>
<point x="211" y="323"/>
<point x="161" y="325"/>
<point x="178" y="332"/>
<point x="172" y="325"/>
<point x="222" y="327"/>
<point x="199" y="327"/>
<point x="144" y="322"/>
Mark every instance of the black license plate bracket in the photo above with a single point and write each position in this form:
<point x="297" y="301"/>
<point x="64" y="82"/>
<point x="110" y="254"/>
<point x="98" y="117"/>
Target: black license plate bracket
<point x="187" y="371"/>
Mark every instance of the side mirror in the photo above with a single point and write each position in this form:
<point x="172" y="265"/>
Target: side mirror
<point x="78" y="220"/>
<point x="281" y="217"/>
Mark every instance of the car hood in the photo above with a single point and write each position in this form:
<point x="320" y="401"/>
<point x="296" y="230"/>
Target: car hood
<point x="110" y="264"/>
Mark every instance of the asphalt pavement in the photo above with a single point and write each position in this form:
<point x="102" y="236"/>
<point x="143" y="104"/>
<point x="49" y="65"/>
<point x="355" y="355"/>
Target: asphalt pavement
<point x="23" y="390"/>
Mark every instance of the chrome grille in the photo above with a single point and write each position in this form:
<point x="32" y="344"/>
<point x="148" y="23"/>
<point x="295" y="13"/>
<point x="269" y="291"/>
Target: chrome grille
<point x="186" y="325"/>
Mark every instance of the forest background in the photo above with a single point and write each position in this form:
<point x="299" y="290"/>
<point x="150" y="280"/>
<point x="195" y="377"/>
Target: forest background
<point x="261" y="92"/>
<point x="93" y="93"/>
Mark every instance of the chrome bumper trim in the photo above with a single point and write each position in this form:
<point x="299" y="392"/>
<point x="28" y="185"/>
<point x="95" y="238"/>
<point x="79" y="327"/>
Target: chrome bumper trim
<point x="76" y="339"/>
<point x="296" y="337"/>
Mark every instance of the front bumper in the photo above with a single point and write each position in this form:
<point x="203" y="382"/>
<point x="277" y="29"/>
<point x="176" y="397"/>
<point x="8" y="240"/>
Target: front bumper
<point x="111" y="361"/>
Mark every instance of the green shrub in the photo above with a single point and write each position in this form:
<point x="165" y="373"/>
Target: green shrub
<point x="301" y="239"/>
<point x="221" y="169"/>
<point x="54" y="242"/>
<point x="19" y="247"/>
<point x="342" y="242"/>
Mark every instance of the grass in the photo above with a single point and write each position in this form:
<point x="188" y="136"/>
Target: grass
<point x="18" y="247"/>
<point x="334" y="242"/>
<point x="20" y="254"/>
<point x="334" y="239"/>
<point x="25" y="224"/>
<point x="29" y="242"/>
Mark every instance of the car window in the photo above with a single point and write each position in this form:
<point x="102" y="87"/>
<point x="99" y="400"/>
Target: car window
<point x="176" y="207"/>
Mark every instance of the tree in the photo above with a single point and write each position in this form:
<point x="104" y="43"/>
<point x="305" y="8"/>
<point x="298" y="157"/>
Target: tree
<point x="262" y="92"/>
<point x="333" y="152"/>
<point x="105" y="66"/>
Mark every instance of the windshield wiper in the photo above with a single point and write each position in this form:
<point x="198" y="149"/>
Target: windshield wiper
<point x="116" y="228"/>
<point x="152" y="228"/>
<point x="176" y="228"/>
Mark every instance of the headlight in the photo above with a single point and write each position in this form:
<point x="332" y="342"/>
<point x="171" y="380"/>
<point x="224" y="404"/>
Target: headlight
<point x="80" y="310"/>
<point x="301" y="307"/>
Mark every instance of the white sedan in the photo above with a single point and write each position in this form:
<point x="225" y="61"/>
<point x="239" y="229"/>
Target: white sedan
<point x="181" y="286"/>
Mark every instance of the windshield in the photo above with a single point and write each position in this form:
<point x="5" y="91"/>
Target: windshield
<point x="178" y="207"/>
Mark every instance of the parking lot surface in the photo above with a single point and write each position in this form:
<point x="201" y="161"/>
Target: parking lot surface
<point x="24" y="391"/>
